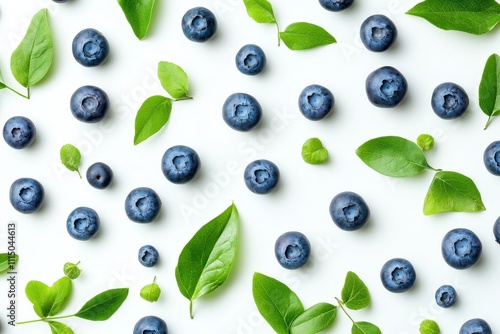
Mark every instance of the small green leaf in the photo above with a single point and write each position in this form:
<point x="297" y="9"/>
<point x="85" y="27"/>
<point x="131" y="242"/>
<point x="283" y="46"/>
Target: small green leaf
<point x="60" y="328"/>
<point x="151" y="117"/>
<point x="313" y="152"/>
<point x="32" y="59"/>
<point x="489" y="88"/>
<point x="425" y="142"/>
<point x="452" y="192"/>
<point x="71" y="270"/>
<point x="315" y="319"/>
<point x="260" y="10"/>
<point x="102" y="306"/>
<point x="429" y="327"/>
<point x="138" y="14"/>
<point x="355" y="295"/>
<point x="5" y="264"/>
<point x="276" y="302"/>
<point x="60" y="293"/>
<point x="48" y="301"/>
<point x="71" y="157"/>
<point x="363" y="327"/>
<point x="393" y="156"/>
<point x="303" y="35"/>
<point x="151" y="292"/>
<point x="173" y="79"/>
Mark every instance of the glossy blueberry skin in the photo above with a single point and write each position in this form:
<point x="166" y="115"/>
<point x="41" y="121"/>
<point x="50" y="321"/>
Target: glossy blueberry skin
<point x="89" y="104"/>
<point x="315" y="102"/>
<point x="90" y="48"/>
<point x="150" y="325"/>
<point x="292" y="250"/>
<point x="142" y="205"/>
<point x="398" y="275"/>
<point x="335" y="5"/>
<point x="349" y="211"/>
<point x="199" y="24"/>
<point x="446" y="296"/>
<point x="250" y="59"/>
<point x="449" y="100"/>
<point x="461" y="248"/>
<point x="99" y="175"/>
<point x="386" y="87"/>
<point x="496" y="230"/>
<point x="26" y="195"/>
<point x="241" y="112"/>
<point x="261" y="176"/>
<point x="180" y="164"/>
<point x="148" y="256"/>
<point x="82" y="223"/>
<point x="491" y="158"/>
<point x="378" y="33"/>
<point x="475" y="326"/>
<point x="19" y="132"/>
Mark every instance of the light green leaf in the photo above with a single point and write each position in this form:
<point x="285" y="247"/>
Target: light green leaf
<point x="303" y="35"/>
<point x="315" y="319"/>
<point x="5" y="264"/>
<point x="355" y="295"/>
<point x="313" y="152"/>
<point x="60" y="328"/>
<point x="452" y="192"/>
<point x="60" y="293"/>
<point x="48" y="301"/>
<point x="151" y="117"/>
<point x="425" y="142"/>
<point x="71" y="270"/>
<point x="489" y="88"/>
<point x="260" y="10"/>
<point x="429" y="327"/>
<point x="363" y="327"/>
<point x="138" y="14"/>
<point x="102" y="306"/>
<point x="151" y="292"/>
<point x="71" y="157"/>
<point x="173" y="79"/>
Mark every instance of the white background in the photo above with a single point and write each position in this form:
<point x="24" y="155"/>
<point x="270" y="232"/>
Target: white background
<point x="426" y="56"/>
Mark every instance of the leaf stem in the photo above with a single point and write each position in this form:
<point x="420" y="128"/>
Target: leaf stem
<point x="341" y="305"/>
<point x="18" y="93"/>
<point x="45" y="319"/>
<point x="184" y="98"/>
<point x="490" y="118"/>
<point x="78" y="171"/>
<point x="191" y="309"/>
<point x="278" y="29"/>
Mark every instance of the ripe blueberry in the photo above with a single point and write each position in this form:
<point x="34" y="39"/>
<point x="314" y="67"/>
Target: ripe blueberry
<point x="496" y="230"/>
<point x="26" y="195"/>
<point x="349" y="211"/>
<point x="491" y="158"/>
<point x="385" y="87"/>
<point x="446" y="296"/>
<point x="19" y="132"/>
<point x="461" y="248"/>
<point x="335" y="5"/>
<point x="199" y="24"/>
<point x="398" y="275"/>
<point x="150" y="325"/>
<point x="475" y="326"/>
<point x="315" y="102"/>
<point x="250" y="59"/>
<point x="148" y="256"/>
<point x="292" y="250"/>
<point x="142" y="205"/>
<point x="90" y="48"/>
<point x="180" y="164"/>
<point x="241" y="111"/>
<point x="89" y="104"/>
<point x="82" y="223"/>
<point x="261" y="176"/>
<point x="99" y="175"/>
<point x="378" y="33"/>
<point x="449" y="100"/>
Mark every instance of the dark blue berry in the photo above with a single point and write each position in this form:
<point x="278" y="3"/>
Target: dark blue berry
<point x="241" y="111"/>
<point x="446" y="296"/>
<point x="142" y="205"/>
<point x="378" y="33"/>
<point x="315" y="102"/>
<point x="449" y="100"/>
<point x="19" y="132"/>
<point x="150" y="325"/>
<point x="199" y="24"/>
<point x="491" y="158"/>
<point x="336" y="5"/>
<point x="26" y="195"/>
<point x="461" y="248"/>
<point x="89" y="104"/>
<point x="349" y="211"/>
<point x="180" y="164"/>
<point x="82" y="223"/>
<point x="90" y="47"/>
<point x="292" y="250"/>
<point x="475" y="326"/>
<point x="261" y="176"/>
<point x="398" y="275"/>
<point x="148" y="256"/>
<point x="385" y="87"/>
<point x="250" y="59"/>
<point x="99" y="175"/>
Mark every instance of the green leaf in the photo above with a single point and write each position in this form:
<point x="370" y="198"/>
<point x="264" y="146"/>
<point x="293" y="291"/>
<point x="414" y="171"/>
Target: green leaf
<point x="5" y="265"/>
<point x="315" y="319"/>
<point x="138" y="14"/>
<point x="60" y="293"/>
<point x="151" y="292"/>
<point x="48" y="301"/>
<point x="71" y="157"/>
<point x="206" y="260"/>
<point x="303" y="35"/>
<point x="355" y="295"/>
<point x="452" y="192"/>
<point x="489" y="88"/>
<point x="2" y="83"/>
<point x="32" y="59"/>
<point x="173" y="79"/>
<point x="276" y="302"/>
<point x="151" y="117"/>
<point x="363" y="327"/>
<point x="71" y="270"/>
<point x="313" y="152"/>
<point x="393" y="156"/>
<point x="471" y="16"/>
<point x="429" y="327"/>
<point x="425" y="142"/>
<point x="260" y="10"/>
<point x="60" y="328"/>
<point x="102" y="306"/>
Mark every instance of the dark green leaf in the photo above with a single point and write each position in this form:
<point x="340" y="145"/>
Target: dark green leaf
<point x="313" y="152"/>
<point x="425" y="142"/>
<point x="71" y="270"/>
<point x="151" y="117"/>
<point x="60" y="328"/>
<point x="471" y="16"/>
<point x="138" y="14"/>
<point x="393" y="156"/>
<point x="315" y="319"/>
<point x="173" y="79"/>
<point x="489" y="88"/>
<point x="71" y="157"/>
<point x="260" y="10"/>
<point x="276" y="302"/>
<point x="104" y="305"/>
<point x="303" y="35"/>
<point x="5" y="264"/>
<point x="355" y="295"/>
<point x="363" y="327"/>
<point x="32" y="59"/>
<point x="452" y="192"/>
<point x="429" y="327"/>
<point x="151" y="292"/>
<point x="48" y="301"/>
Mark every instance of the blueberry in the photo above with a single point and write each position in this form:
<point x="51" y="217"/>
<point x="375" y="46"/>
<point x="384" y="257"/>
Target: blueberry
<point x="335" y="5"/>
<point x="19" y="132"/>
<point x="199" y="24"/>
<point x="461" y="248"/>
<point x="82" y="223"/>
<point x="180" y="164"/>
<point x="148" y="256"/>
<point x="150" y="325"/>
<point x="398" y="275"/>
<point x="142" y="205"/>
<point x="385" y="87"/>
<point x="378" y="33"/>
<point x="315" y="102"/>
<point x="446" y="296"/>
<point x="491" y="158"/>
<point x="250" y="59"/>
<point x="475" y="326"/>
<point x="496" y="230"/>
<point x="60" y="1"/>
<point x="292" y="250"/>
<point x="349" y="211"/>
<point x="26" y="195"/>
<point x="261" y="176"/>
<point x="89" y="104"/>
<point x="99" y="175"/>
<point x="449" y="100"/>
<point x="241" y="111"/>
<point x="90" y="47"/>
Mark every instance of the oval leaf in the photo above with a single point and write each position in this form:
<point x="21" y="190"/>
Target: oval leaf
<point x="151" y="292"/>
<point x="471" y="16"/>
<point x="303" y="35"/>
<point x="60" y="292"/>
<point x="206" y="260"/>
<point x="260" y="10"/>
<point x="38" y="293"/>
<point x="452" y="192"/>
<point x="71" y="157"/>
<point x="313" y="152"/>
<point x="60" y="328"/>
<point x="355" y="295"/>
<point x="71" y="270"/>
<point x="104" y="305"/>
<point x="393" y="156"/>
<point x="151" y="117"/>
<point x="173" y="79"/>
<point x="363" y="327"/>
<point x="315" y="319"/>
<point x="7" y="264"/>
<point x="429" y="327"/>
<point x="276" y="302"/>
<point x="489" y="88"/>
<point x="138" y="14"/>
<point x="32" y="59"/>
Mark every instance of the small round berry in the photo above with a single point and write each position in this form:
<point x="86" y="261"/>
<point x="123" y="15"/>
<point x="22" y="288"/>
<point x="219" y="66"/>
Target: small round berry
<point x="142" y="205"/>
<point x="261" y="176"/>
<point x="150" y="325"/>
<point x="180" y="164"/>
<point x="315" y="102"/>
<point x="99" y="175"/>
<point x="335" y="5"/>
<point x="449" y="100"/>
<point x="26" y="195"/>
<point x="398" y="275"/>
<point x="378" y="33"/>
<point x="292" y="250"/>
<point x="148" y="256"/>
<point x="461" y="248"/>
<point x="349" y="211"/>
<point x="199" y="24"/>
<point x="90" y="47"/>
<point x="491" y="158"/>
<point x="250" y="59"/>
<point x="475" y="326"/>
<point x="89" y="104"/>
<point x="241" y="112"/>
<point x="446" y="296"/>
<point x="19" y="132"/>
<point x="385" y="87"/>
<point x="82" y="223"/>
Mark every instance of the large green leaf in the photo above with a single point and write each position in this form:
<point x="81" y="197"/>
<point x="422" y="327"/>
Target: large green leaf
<point x="138" y="14"/>
<point x="489" y="88"/>
<point x="304" y="35"/>
<point x="102" y="306"/>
